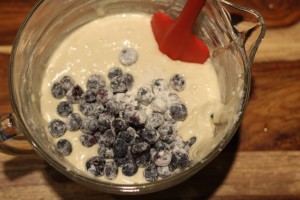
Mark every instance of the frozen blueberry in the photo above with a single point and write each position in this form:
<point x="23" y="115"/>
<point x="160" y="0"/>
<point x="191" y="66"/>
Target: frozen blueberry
<point x="120" y="148"/>
<point x="89" y="96"/>
<point x="73" y="122"/>
<point x="114" y="71"/>
<point x="101" y="150"/>
<point x="110" y="170"/>
<point x="91" y="109"/>
<point x="189" y="143"/>
<point x="154" y="120"/>
<point x="108" y="153"/>
<point x="143" y="159"/>
<point x="173" y="98"/>
<point x="178" y="112"/>
<point x="57" y="128"/>
<point x="112" y="107"/>
<point x="87" y="140"/>
<point x="104" y="121"/>
<point x="168" y="117"/>
<point x="120" y="84"/>
<point x="167" y="132"/>
<point x="128" y="134"/>
<point x="177" y="82"/>
<point x="74" y="94"/>
<point x="180" y="158"/>
<point x="63" y="147"/>
<point x="150" y="173"/>
<point x="129" y="167"/>
<point x="108" y="137"/>
<point x="162" y="158"/>
<point x="103" y="95"/>
<point x="178" y="142"/>
<point x="95" y="166"/>
<point x="151" y="136"/>
<point x="95" y="82"/>
<point x="128" y="80"/>
<point x="159" y="85"/>
<point x="144" y="96"/>
<point x="58" y="91"/>
<point x="64" y="108"/>
<point x="164" y="171"/>
<point x="138" y="118"/>
<point x="119" y="124"/>
<point x="160" y="145"/>
<point x="128" y="56"/>
<point x="89" y="125"/>
<point x="67" y="82"/>
<point x="138" y="148"/>
<point x="159" y="104"/>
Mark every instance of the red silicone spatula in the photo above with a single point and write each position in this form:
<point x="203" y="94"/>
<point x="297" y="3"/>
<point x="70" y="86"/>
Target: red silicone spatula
<point x="175" y="37"/>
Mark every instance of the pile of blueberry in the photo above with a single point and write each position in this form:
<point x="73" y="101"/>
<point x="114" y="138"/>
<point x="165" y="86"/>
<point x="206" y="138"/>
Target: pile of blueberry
<point x="128" y="134"/>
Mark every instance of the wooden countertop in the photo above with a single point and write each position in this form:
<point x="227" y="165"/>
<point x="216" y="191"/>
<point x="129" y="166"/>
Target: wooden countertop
<point x="261" y="162"/>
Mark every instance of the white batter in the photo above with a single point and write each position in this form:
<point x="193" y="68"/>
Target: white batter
<point x="94" y="49"/>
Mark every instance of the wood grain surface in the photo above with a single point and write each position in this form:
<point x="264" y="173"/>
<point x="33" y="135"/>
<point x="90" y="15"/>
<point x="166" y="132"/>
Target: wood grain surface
<point x="261" y="162"/>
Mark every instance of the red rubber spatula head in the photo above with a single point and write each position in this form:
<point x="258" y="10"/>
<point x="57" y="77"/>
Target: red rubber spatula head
<point x="175" y="37"/>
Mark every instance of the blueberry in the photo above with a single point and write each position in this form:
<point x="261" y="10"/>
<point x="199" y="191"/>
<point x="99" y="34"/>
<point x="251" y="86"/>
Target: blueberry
<point x="57" y="128"/>
<point x="138" y="148"/>
<point x="159" y="104"/>
<point x="129" y="167"/>
<point x="150" y="173"/>
<point x="110" y="170"/>
<point x="91" y="109"/>
<point x="154" y="120"/>
<point x="128" y="134"/>
<point x="151" y="136"/>
<point x="63" y="147"/>
<point x="180" y="158"/>
<point x="95" y="166"/>
<point x="89" y="96"/>
<point x="128" y="56"/>
<point x="167" y="132"/>
<point x="178" y="142"/>
<point x="108" y="153"/>
<point x="103" y="95"/>
<point x="101" y="151"/>
<point x="159" y="85"/>
<point x="120" y="148"/>
<point x="95" y="82"/>
<point x="177" y="82"/>
<point x="143" y="159"/>
<point x="159" y="145"/>
<point x="64" y="108"/>
<point x="117" y="84"/>
<point x="67" y="82"/>
<point x="178" y="112"/>
<point x="114" y="71"/>
<point x="58" y="91"/>
<point x="168" y="117"/>
<point x="164" y="171"/>
<point x="74" y="94"/>
<point x="119" y="124"/>
<point x="189" y="143"/>
<point x="87" y="140"/>
<point x="138" y="118"/>
<point x="162" y="158"/>
<point x="121" y="84"/>
<point x="108" y="137"/>
<point x="104" y="122"/>
<point x="112" y="107"/>
<point x="144" y="96"/>
<point x="73" y="122"/>
<point x="173" y="98"/>
<point x="89" y="125"/>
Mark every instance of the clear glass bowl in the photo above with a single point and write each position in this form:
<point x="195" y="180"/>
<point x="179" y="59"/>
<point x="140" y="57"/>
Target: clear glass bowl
<point x="233" y="34"/>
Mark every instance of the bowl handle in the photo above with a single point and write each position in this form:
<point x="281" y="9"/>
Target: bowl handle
<point x="12" y="142"/>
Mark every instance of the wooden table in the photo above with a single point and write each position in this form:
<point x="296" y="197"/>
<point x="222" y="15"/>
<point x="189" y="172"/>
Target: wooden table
<point x="261" y="162"/>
